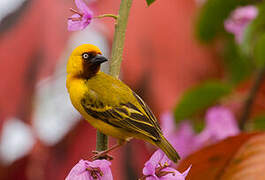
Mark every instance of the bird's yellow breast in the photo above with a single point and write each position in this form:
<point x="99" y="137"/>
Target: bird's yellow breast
<point x="76" y="89"/>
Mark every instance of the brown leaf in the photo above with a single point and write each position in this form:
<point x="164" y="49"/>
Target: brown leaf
<point x="210" y="162"/>
<point x="249" y="161"/>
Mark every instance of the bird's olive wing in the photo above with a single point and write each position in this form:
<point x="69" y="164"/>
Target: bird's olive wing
<point x="151" y="117"/>
<point x="125" y="115"/>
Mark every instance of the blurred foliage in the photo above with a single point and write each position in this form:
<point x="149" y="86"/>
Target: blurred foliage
<point x="240" y="60"/>
<point x="200" y="97"/>
<point x="234" y="157"/>
<point x="149" y="2"/>
<point x="211" y="18"/>
<point x="198" y="125"/>
<point x="236" y="63"/>
<point x="259" y="122"/>
<point x="254" y="37"/>
<point x="259" y="51"/>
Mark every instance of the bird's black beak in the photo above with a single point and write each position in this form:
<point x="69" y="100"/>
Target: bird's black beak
<point x="98" y="59"/>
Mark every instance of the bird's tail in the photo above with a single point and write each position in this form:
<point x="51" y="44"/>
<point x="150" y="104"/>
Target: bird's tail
<point x="168" y="149"/>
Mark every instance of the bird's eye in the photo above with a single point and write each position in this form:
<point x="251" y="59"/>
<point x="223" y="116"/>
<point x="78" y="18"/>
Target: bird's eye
<point x="87" y="56"/>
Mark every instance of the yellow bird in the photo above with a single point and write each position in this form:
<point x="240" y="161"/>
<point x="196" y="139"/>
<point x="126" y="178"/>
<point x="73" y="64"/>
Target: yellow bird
<point x="108" y="104"/>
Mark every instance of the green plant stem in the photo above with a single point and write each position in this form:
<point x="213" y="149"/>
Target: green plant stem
<point x="251" y="97"/>
<point x="107" y="15"/>
<point x="116" y="56"/>
<point x="102" y="141"/>
<point x="119" y="36"/>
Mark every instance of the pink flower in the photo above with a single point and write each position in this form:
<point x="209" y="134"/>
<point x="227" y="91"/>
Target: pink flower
<point x="183" y="138"/>
<point x="239" y="19"/>
<point x="81" y="19"/>
<point x="220" y="124"/>
<point x="86" y="170"/>
<point x="168" y="124"/>
<point x="159" y="168"/>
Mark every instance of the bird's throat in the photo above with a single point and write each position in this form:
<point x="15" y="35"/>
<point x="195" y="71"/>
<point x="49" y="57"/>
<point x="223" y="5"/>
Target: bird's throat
<point x="90" y="71"/>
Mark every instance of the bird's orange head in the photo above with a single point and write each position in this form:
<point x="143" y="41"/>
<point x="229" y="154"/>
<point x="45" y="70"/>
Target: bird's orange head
<point x="85" y="61"/>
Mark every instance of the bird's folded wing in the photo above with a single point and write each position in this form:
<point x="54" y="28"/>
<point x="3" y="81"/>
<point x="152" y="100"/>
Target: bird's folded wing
<point x="147" y="110"/>
<point x="126" y="116"/>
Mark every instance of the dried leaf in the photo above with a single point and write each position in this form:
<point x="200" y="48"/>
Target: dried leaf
<point x="249" y="161"/>
<point x="210" y="162"/>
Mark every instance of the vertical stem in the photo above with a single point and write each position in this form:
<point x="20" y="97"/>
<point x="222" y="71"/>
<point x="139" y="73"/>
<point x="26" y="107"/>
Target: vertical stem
<point x="119" y="36"/>
<point x="116" y="56"/>
<point x="251" y="97"/>
<point x="102" y="142"/>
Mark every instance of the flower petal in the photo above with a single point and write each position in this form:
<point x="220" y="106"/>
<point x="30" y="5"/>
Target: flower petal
<point x="148" y="169"/>
<point x="152" y="178"/>
<point x="168" y="125"/>
<point x="185" y="173"/>
<point x="156" y="159"/>
<point x="176" y="175"/>
<point x="75" y="25"/>
<point x="221" y="122"/>
<point x="152" y="163"/>
<point x="83" y="7"/>
<point x="78" y="172"/>
<point x="165" y="159"/>
<point x="239" y="19"/>
<point x="80" y="21"/>
<point x="104" y="167"/>
<point x="183" y="140"/>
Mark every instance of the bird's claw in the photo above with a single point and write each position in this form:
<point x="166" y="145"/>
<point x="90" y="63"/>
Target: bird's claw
<point x="101" y="155"/>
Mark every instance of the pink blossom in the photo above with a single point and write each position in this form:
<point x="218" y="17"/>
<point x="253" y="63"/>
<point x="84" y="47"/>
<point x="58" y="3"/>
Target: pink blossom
<point x="239" y="19"/>
<point x="86" y="170"/>
<point x="220" y="124"/>
<point x="168" y="124"/>
<point x="182" y="138"/>
<point x="159" y="168"/>
<point x="81" y="18"/>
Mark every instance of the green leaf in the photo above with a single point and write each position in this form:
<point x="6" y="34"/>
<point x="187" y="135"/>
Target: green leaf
<point x="259" y="122"/>
<point x="259" y="51"/>
<point x="198" y="126"/>
<point x="200" y="97"/>
<point x="253" y="40"/>
<point x="211" y="19"/>
<point x="237" y="64"/>
<point x="149" y="2"/>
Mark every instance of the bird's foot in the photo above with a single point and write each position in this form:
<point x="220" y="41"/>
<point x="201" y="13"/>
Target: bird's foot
<point x="102" y="155"/>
